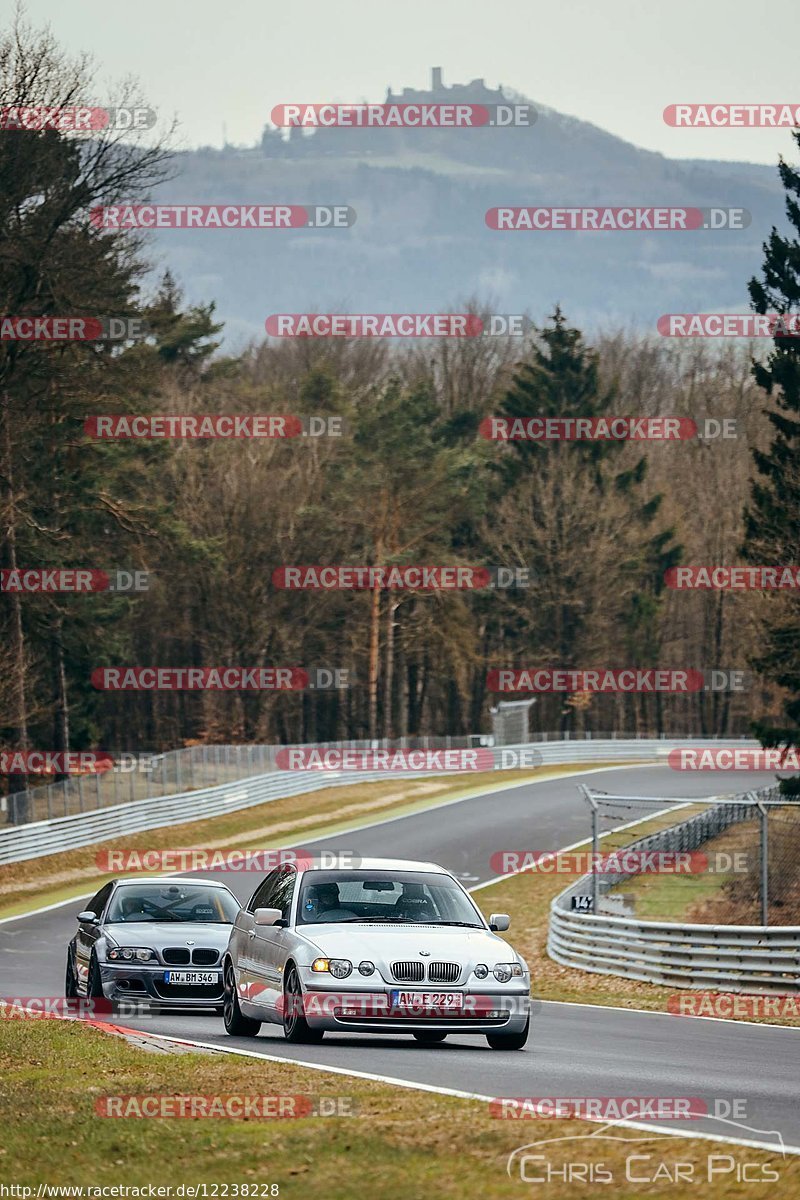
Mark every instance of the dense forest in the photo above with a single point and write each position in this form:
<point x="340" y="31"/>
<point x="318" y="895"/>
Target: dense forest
<point x="410" y="479"/>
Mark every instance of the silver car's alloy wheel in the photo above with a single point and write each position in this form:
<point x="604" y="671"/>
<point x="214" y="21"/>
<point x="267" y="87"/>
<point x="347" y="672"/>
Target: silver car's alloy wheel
<point x="295" y="1026"/>
<point x="236" y="1023"/>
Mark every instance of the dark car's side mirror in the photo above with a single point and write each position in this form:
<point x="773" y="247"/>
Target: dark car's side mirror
<point x="88" y="917"/>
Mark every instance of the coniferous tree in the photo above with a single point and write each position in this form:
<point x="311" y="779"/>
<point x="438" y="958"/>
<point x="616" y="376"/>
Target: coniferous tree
<point x="772" y="518"/>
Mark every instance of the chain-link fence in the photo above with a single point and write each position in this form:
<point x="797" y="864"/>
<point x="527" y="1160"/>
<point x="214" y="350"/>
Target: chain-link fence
<point x="731" y="860"/>
<point x="145" y="776"/>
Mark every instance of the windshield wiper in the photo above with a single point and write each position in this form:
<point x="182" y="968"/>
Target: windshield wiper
<point x="463" y="924"/>
<point x="349" y="920"/>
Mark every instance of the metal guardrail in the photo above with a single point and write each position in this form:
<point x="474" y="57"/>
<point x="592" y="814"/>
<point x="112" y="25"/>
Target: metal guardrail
<point x="39" y="838"/>
<point x="173" y="772"/>
<point x="736" y="958"/>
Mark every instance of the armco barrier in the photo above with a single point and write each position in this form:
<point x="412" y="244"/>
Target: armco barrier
<point x="734" y="958"/>
<point x="39" y="838"/>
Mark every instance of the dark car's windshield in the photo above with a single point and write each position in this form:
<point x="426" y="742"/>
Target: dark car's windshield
<point x="399" y="897"/>
<point x="173" y="902"/>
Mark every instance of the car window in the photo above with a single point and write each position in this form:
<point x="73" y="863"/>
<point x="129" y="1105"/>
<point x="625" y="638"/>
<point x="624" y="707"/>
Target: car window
<point x="100" y="900"/>
<point x="276" y="891"/>
<point x="260" y="897"/>
<point x="179" y="901"/>
<point x="384" y="895"/>
<point x="282" y="896"/>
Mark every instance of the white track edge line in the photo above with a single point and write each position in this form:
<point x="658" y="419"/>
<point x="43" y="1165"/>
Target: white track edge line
<point x="411" y="1085"/>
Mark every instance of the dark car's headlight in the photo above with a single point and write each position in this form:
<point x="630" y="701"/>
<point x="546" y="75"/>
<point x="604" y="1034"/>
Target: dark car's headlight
<point x="131" y="954"/>
<point x="505" y="971"/>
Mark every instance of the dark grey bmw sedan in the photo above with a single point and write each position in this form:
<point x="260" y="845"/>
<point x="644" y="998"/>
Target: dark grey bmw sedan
<point x="157" y="941"/>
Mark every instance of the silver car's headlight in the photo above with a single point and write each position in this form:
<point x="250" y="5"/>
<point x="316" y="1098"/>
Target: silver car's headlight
<point x="366" y="967"/>
<point x="339" y="968"/>
<point x="481" y="971"/>
<point x="505" y="971"/>
<point x="131" y="953"/>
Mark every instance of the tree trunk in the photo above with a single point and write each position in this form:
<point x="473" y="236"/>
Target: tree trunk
<point x="60" y="701"/>
<point x="19" y="709"/>
<point x="388" y="726"/>
<point x="374" y="643"/>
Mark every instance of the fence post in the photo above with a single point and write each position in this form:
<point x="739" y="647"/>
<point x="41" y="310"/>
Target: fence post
<point x="588" y="798"/>
<point x="762" y="808"/>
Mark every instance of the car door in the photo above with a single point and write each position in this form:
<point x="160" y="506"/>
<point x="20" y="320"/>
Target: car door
<point x="88" y="933"/>
<point x="244" y="946"/>
<point x="272" y="941"/>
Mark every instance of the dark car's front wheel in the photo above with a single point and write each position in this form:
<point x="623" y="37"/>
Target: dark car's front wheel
<point x="94" y="986"/>
<point x="236" y="1023"/>
<point x="70" y="982"/>
<point x="295" y="1027"/>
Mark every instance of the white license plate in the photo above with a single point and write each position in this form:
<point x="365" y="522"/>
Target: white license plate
<point x="449" y="1001"/>
<point x="202" y="977"/>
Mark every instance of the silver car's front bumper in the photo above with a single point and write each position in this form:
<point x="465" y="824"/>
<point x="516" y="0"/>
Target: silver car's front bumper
<point x="145" y="983"/>
<point x="362" y="1011"/>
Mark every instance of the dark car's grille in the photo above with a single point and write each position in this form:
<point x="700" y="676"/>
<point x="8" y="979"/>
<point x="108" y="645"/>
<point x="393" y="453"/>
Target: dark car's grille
<point x="408" y="972"/>
<point x="205" y="957"/>
<point x="177" y="956"/>
<point x="443" y="972"/>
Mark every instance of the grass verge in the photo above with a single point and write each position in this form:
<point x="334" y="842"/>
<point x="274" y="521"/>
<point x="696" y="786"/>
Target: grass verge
<point x="730" y="897"/>
<point x="399" y="1142"/>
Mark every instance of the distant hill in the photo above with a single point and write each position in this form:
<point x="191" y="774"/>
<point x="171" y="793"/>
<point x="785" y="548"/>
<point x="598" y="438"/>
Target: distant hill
<point x="420" y="242"/>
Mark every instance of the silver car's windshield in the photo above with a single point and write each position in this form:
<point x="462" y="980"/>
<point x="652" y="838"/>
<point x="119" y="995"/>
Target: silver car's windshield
<point x="399" y="897"/>
<point x="173" y="902"/>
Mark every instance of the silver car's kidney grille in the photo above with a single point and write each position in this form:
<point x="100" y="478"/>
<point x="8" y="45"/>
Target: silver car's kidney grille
<point x="176" y="956"/>
<point x="443" y="972"/>
<point x="408" y="972"/>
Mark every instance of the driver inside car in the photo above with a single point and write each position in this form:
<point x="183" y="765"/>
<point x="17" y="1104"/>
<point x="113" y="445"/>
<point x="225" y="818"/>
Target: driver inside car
<point x="133" y="908"/>
<point x="322" y="903"/>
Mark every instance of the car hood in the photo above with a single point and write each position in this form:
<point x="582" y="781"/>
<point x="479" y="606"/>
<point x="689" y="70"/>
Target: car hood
<point x="158" y="934"/>
<point x="386" y="943"/>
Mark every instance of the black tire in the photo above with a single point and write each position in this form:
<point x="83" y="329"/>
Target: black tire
<point x="429" y="1037"/>
<point x="509" y="1041"/>
<point x="94" y="984"/>
<point x="236" y="1024"/>
<point x="70" y="981"/>
<point x="295" y="1027"/>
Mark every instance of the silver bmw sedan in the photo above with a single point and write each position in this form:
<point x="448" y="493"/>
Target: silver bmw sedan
<point x="387" y="946"/>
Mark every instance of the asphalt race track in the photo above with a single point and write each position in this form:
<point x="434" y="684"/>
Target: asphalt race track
<point x="573" y="1050"/>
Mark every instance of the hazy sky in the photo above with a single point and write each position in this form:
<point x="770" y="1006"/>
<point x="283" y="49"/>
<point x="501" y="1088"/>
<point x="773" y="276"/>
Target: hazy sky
<point x="616" y="63"/>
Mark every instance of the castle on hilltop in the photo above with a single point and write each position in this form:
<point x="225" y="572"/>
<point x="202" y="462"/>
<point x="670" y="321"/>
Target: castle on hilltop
<point x="475" y="92"/>
<point x="276" y="143"/>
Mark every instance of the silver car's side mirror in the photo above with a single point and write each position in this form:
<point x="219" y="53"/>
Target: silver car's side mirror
<point x="268" y="916"/>
<point x="499" y="922"/>
<point x="88" y="918"/>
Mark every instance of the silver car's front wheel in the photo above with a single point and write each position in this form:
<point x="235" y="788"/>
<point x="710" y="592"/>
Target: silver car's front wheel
<point x="236" y="1023"/>
<point x="295" y="1027"/>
